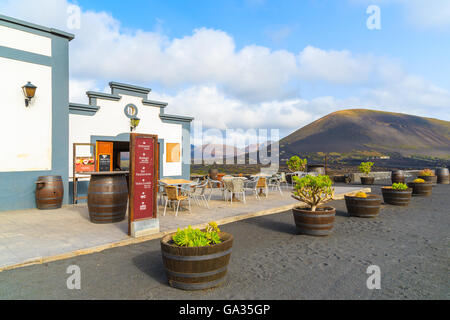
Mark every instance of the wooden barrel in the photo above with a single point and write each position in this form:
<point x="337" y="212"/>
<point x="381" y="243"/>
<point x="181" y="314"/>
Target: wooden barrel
<point x="363" y="207"/>
<point x="107" y="198"/>
<point x="443" y="175"/>
<point x="196" y="268"/>
<point x="318" y="223"/>
<point x="430" y="179"/>
<point x="49" y="192"/>
<point x="396" y="197"/>
<point x="319" y="168"/>
<point x="398" y="176"/>
<point x="421" y="189"/>
<point x="367" y="180"/>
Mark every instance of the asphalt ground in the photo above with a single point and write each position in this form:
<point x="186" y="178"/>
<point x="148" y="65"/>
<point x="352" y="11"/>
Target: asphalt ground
<point x="270" y="260"/>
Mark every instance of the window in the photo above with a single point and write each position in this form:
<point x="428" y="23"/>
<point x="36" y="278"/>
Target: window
<point x="173" y="153"/>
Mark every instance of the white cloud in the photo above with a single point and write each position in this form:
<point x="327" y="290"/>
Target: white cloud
<point x="210" y="79"/>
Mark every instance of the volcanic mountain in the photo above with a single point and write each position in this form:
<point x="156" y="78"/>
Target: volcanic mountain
<point x="357" y="130"/>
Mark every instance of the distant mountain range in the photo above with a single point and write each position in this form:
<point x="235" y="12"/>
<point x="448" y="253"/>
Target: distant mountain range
<point x="362" y="130"/>
<point x="211" y="151"/>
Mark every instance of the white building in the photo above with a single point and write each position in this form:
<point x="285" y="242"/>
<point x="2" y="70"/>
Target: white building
<point x="37" y="139"/>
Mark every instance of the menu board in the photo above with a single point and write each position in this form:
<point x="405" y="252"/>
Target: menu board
<point x="143" y="177"/>
<point x="84" y="164"/>
<point x="104" y="162"/>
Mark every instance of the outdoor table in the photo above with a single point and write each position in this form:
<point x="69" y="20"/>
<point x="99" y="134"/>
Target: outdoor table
<point x="177" y="182"/>
<point x="265" y="176"/>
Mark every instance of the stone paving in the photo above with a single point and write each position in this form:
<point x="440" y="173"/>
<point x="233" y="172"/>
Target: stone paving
<point x="28" y="235"/>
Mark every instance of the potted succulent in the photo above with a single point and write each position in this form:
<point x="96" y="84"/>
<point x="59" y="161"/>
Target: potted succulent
<point x="363" y="205"/>
<point x="428" y="175"/>
<point x="295" y="164"/>
<point x="314" y="220"/>
<point x="398" y="194"/>
<point x="421" y="187"/>
<point x="366" y="167"/>
<point x="196" y="259"/>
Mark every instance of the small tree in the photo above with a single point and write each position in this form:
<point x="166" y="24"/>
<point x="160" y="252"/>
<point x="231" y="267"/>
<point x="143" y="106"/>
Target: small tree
<point x="313" y="191"/>
<point x="296" y="164"/>
<point x="365" y="167"/>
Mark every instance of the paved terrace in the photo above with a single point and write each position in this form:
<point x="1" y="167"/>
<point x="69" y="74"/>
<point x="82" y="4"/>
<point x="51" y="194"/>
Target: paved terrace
<point x="38" y="236"/>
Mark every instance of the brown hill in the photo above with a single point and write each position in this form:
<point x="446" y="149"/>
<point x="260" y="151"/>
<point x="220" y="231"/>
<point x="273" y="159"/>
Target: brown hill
<point x="357" y="130"/>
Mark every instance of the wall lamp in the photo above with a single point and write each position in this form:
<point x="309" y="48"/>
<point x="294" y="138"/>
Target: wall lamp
<point x="29" y="91"/>
<point x="134" y="122"/>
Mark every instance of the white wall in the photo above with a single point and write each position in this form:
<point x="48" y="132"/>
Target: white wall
<point x="111" y="120"/>
<point x="25" y="41"/>
<point x="26" y="132"/>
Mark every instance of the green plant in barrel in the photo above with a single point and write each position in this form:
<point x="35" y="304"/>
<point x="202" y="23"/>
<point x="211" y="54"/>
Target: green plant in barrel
<point x="190" y="237"/>
<point x="399" y="186"/>
<point x="295" y="163"/>
<point x="365" y="167"/>
<point x="312" y="190"/>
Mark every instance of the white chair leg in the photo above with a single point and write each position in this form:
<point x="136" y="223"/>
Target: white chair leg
<point x="165" y="207"/>
<point x="243" y="196"/>
<point x="189" y="200"/>
<point x="178" y="206"/>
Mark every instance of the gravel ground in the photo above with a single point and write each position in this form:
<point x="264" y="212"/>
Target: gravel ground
<point x="270" y="261"/>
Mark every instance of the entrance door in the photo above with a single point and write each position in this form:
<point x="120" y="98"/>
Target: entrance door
<point x="105" y="154"/>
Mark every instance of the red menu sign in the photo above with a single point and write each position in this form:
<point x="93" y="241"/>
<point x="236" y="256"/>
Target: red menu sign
<point x="143" y="177"/>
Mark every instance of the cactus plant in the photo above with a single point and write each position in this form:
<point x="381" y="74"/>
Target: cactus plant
<point x="361" y="195"/>
<point x="399" y="186"/>
<point x="426" y="172"/>
<point x="314" y="191"/>
<point x="365" y="167"/>
<point x="295" y="163"/>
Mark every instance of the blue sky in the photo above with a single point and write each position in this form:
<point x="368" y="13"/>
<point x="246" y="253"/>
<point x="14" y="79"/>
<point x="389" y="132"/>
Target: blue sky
<point x="254" y="64"/>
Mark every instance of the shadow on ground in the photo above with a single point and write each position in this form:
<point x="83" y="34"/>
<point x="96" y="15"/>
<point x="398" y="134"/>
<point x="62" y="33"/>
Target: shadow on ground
<point x="151" y="264"/>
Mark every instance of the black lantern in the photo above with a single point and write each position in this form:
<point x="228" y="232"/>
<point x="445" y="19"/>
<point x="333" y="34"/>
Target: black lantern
<point x="134" y="122"/>
<point x="29" y="91"/>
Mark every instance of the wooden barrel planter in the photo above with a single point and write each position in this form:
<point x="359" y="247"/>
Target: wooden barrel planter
<point x="398" y="176"/>
<point x="442" y="175"/>
<point x="318" y="223"/>
<point x="107" y="198"/>
<point x="431" y="179"/>
<point x="363" y="207"/>
<point x="367" y="180"/>
<point x="196" y="268"/>
<point x="396" y="197"/>
<point x="421" y="189"/>
<point x="49" y="192"/>
<point x="319" y="168"/>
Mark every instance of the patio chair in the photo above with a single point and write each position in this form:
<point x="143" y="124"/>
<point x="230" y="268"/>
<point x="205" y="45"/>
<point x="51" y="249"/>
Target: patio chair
<point x="173" y="196"/>
<point x="275" y="183"/>
<point x="200" y="196"/>
<point x="161" y="192"/>
<point x="283" y="179"/>
<point x="215" y="184"/>
<point x="262" y="184"/>
<point x="251" y="184"/>
<point x="234" y="187"/>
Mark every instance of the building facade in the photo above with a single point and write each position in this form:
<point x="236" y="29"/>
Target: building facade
<point x="37" y="137"/>
<point x="34" y="138"/>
